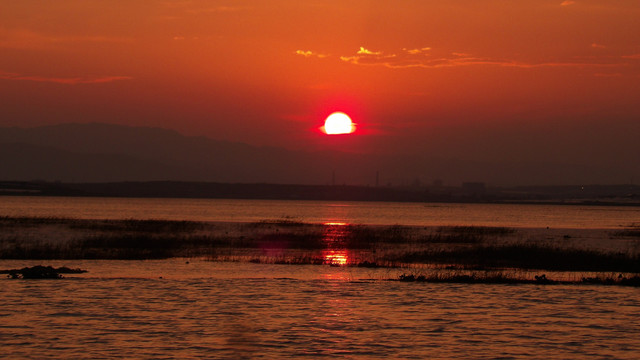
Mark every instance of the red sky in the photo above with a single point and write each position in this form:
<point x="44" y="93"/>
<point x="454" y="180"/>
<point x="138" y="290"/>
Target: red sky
<point x="526" y="80"/>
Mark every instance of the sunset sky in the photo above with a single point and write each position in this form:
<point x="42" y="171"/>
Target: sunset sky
<point x="525" y="80"/>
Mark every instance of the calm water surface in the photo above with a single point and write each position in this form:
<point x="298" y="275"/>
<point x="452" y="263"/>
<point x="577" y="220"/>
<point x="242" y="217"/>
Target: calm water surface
<point x="123" y="309"/>
<point x="378" y="213"/>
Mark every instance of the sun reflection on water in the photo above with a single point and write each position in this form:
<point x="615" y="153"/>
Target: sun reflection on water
<point x="335" y="257"/>
<point x="334" y="239"/>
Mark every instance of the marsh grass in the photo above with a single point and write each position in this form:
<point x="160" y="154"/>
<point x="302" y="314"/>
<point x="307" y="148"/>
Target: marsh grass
<point x="632" y="231"/>
<point x="18" y="221"/>
<point x="528" y="256"/>
<point x="126" y="225"/>
<point x="288" y="241"/>
<point x="628" y="233"/>
<point x="515" y="277"/>
<point x="283" y="222"/>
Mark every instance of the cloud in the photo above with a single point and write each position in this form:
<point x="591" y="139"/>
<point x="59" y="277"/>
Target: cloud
<point x="632" y="56"/>
<point x="567" y="3"/>
<point x="364" y="51"/>
<point x="421" y="57"/>
<point x="308" y="53"/>
<point x="416" y="51"/>
<point x="598" y="46"/>
<point x="63" y="80"/>
<point x="425" y="58"/>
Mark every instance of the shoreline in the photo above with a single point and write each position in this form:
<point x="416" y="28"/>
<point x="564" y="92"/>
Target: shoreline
<point x="544" y="202"/>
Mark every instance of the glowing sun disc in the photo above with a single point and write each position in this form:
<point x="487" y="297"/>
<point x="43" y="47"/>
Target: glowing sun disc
<point x="338" y="123"/>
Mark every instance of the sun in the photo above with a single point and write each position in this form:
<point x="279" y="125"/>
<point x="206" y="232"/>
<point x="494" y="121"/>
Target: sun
<point x="338" y="123"/>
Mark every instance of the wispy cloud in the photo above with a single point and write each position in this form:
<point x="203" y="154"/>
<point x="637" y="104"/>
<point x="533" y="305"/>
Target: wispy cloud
<point x="567" y="3"/>
<point x="632" y="56"/>
<point x="62" y="80"/>
<point x="416" y="51"/>
<point x="364" y="51"/>
<point x="365" y="56"/>
<point x="424" y="58"/>
<point x="598" y="46"/>
<point x="308" y="53"/>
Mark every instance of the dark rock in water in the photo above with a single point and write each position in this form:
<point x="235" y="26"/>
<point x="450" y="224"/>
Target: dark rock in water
<point x="40" y="272"/>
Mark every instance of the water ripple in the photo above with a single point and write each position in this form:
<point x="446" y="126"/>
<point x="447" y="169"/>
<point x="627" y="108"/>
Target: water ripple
<point x="286" y="317"/>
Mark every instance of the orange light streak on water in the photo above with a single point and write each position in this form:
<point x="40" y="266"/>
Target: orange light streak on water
<point x="335" y="257"/>
<point x="334" y="240"/>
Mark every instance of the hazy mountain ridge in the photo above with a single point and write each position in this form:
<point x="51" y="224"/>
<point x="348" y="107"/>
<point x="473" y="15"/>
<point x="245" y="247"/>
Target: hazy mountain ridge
<point x="103" y="152"/>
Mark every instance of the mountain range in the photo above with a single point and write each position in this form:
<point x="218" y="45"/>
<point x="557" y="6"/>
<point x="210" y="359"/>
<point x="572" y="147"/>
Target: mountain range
<point x="98" y="152"/>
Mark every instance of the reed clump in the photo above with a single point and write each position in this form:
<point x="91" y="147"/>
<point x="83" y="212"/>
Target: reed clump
<point x="505" y="278"/>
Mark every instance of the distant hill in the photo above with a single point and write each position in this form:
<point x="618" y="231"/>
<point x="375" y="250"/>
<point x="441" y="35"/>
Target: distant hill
<point x="102" y="152"/>
<point x="106" y="153"/>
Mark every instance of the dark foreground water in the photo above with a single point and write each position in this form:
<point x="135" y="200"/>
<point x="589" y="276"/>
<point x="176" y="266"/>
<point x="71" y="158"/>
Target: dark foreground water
<point x="171" y="309"/>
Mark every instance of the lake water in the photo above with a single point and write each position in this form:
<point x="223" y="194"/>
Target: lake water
<point x="378" y="213"/>
<point x="166" y="309"/>
<point x="170" y="309"/>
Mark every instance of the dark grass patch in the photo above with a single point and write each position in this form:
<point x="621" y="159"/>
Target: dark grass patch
<point x="440" y="238"/>
<point x="364" y="237"/>
<point x="125" y="247"/>
<point x="126" y="225"/>
<point x="477" y="230"/>
<point x="465" y="234"/>
<point x="132" y="225"/>
<point x="632" y="230"/>
<point x="285" y="222"/>
<point x="524" y="256"/>
<point x="472" y="279"/>
<point x="18" y="221"/>
<point x="290" y="241"/>
<point x="500" y="278"/>
<point x="15" y="249"/>
<point x="628" y="233"/>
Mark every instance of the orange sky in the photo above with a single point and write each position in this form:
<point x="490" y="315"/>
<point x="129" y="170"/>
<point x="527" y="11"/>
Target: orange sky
<point x="520" y="80"/>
